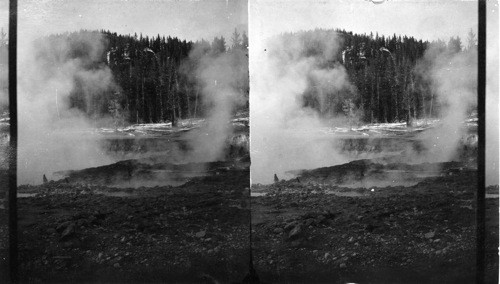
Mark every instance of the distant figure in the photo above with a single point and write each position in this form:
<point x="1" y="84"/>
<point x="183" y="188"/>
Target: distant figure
<point x="276" y="179"/>
<point x="45" y="180"/>
<point x="66" y="180"/>
<point x="298" y="180"/>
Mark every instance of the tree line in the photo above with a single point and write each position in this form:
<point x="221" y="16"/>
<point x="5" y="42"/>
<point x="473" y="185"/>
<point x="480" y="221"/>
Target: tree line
<point x="155" y="78"/>
<point x="382" y="71"/>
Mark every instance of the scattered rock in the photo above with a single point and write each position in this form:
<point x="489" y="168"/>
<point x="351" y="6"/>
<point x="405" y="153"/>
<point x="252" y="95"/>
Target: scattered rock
<point x="290" y="226"/>
<point x="278" y="230"/>
<point x="429" y="235"/>
<point x="201" y="234"/>
<point x="51" y="231"/>
<point x="62" y="257"/>
<point x="62" y="226"/>
<point x="320" y="219"/>
<point x="371" y="227"/>
<point x="295" y="232"/>
<point x="68" y="232"/>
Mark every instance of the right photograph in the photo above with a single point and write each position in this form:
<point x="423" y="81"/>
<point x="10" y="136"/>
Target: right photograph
<point x="364" y="141"/>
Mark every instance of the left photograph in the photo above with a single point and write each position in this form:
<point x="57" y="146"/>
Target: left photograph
<point x="133" y="154"/>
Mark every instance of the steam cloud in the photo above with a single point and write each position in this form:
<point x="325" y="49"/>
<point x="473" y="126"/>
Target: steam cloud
<point x="222" y="78"/>
<point x="285" y="135"/>
<point x="52" y="136"/>
<point x="492" y="102"/>
<point x="453" y="78"/>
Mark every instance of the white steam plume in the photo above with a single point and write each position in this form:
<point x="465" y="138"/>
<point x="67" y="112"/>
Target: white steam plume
<point x="453" y="78"/>
<point x="492" y="94"/>
<point x="223" y="79"/>
<point x="53" y="137"/>
<point x="285" y="135"/>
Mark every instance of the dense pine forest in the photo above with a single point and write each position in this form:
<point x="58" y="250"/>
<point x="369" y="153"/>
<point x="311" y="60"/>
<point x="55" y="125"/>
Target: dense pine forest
<point x="153" y="79"/>
<point x="389" y="80"/>
<point x="156" y="78"/>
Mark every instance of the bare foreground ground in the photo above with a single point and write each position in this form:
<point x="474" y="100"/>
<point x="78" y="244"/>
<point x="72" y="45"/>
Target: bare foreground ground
<point x="304" y="232"/>
<point x="310" y="230"/>
<point x="190" y="224"/>
<point x="330" y="226"/>
<point x="189" y="233"/>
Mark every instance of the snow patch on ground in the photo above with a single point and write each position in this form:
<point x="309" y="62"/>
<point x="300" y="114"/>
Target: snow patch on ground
<point x="153" y="128"/>
<point x="392" y="128"/>
<point x="165" y="128"/>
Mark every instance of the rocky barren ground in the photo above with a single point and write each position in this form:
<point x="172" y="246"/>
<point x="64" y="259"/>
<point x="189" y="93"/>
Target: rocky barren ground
<point x="307" y="230"/>
<point x="327" y="226"/>
<point x="123" y="222"/>
<point x="198" y="231"/>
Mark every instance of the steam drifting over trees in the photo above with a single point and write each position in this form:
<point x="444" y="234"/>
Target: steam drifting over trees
<point x="387" y="75"/>
<point x="155" y="79"/>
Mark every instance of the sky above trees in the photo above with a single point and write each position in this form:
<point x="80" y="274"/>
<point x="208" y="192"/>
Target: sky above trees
<point x="422" y="19"/>
<point x="193" y="20"/>
<point x="190" y="20"/>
